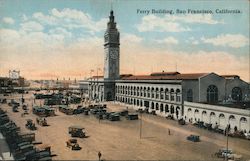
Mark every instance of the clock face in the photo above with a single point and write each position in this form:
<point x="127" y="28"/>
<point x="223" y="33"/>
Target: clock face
<point x="113" y="53"/>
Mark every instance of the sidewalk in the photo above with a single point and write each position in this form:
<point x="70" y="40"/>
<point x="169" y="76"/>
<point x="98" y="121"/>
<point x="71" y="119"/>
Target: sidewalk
<point x="4" y="149"/>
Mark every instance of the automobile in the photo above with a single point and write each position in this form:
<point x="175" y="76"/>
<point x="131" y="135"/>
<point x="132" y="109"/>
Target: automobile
<point x="107" y="114"/>
<point x="223" y="153"/>
<point x="181" y="122"/>
<point x="86" y="112"/>
<point x="132" y="116"/>
<point x="123" y="113"/>
<point x="114" y="117"/>
<point x="99" y="115"/>
<point x="194" y="138"/>
<point x="76" y="131"/>
<point x="247" y="136"/>
<point x="152" y="112"/>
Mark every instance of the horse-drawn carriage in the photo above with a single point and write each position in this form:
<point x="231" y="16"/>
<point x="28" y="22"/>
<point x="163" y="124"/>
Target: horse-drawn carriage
<point x="41" y="121"/>
<point x="30" y="124"/>
<point x="72" y="143"/>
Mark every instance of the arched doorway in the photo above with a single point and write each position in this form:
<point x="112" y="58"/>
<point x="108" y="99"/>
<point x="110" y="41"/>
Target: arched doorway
<point x="232" y="122"/>
<point x="196" y="115"/>
<point x="222" y="121"/>
<point x="204" y="117"/>
<point x="213" y="119"/>
<point x="189" y="114"/>
<point x="177" y="112"/>
<point x="243" y="124"/>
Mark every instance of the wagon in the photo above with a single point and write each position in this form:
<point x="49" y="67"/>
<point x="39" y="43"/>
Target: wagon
<point x="42" y="121"/>
<point x="30" y="125"/>
<point x="72" y="143"/>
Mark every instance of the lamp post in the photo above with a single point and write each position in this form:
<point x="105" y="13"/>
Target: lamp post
<point x="140" y="125"/>
<point x="227" y="130"/>
<point x="97" y="84"/>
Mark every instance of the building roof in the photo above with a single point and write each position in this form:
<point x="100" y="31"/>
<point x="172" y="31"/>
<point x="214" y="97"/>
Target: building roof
<point x="95" y="77"/>
<point x="166" y="76"/>
<point x="230" y="76"/>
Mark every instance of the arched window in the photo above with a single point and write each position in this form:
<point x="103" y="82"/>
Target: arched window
<point x="161" y="108"/>
<point x="212" y="94"/>
<point x="236" y="94"/>
<point x="166" y="108"/>
<point x="231" y="117"/>
<point x="172" y="109"/>
<point x="190" y="95"/>
<point x="212" y="114"/>
<point x="204" y="112"/>
<point x="243" y="119"/>
<point x="222" y="115"/>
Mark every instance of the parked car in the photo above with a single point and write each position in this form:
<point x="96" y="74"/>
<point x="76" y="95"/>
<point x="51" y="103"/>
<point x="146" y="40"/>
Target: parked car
<point x="77" y="131"/>
<point x="114" y="117"/>
<point x="132" y="116"/>
<point x="194" y="138"/>
<point x="123" y="113"/>
<point x="181" y="122"/>
<point x="223" y="153"/>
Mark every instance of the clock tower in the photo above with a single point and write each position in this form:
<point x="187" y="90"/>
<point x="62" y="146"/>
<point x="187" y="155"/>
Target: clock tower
<point x="112" y="50"/>
<point x="111" y="58"/>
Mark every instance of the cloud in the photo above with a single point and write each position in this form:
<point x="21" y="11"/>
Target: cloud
<point x="70" y="19"/>
<point x="154" y="23"/>
<point x="168" y="40"/>
<point x="130" y="38"/>
<point x="31" y="26"/>
<point x="230" y="40"/>
<point x="61" y="31"/>
<point x="155" y="60"/>
<point x="8" y="20"/>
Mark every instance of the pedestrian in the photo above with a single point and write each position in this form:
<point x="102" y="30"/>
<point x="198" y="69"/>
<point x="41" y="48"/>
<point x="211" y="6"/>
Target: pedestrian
<point x="168" y="131"/>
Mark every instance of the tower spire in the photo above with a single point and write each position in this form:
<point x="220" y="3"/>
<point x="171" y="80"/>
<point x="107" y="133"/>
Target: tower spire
<point x="111" y="17"/>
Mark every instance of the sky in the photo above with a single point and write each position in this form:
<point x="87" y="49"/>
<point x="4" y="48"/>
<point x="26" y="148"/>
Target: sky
<point x="64" y="38"/>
